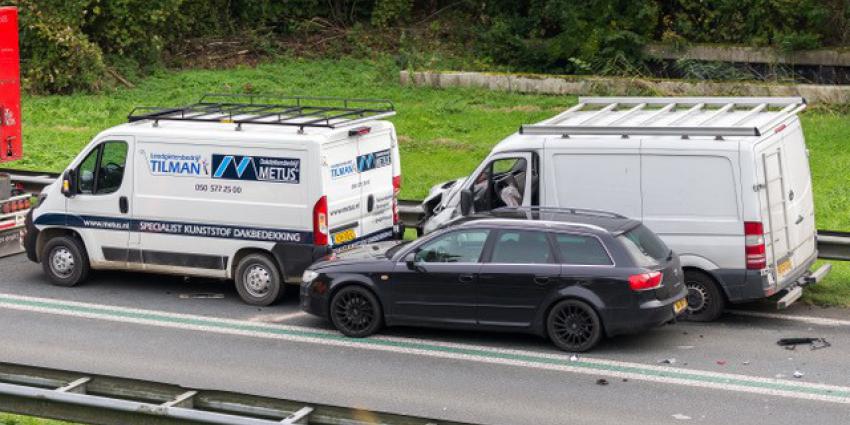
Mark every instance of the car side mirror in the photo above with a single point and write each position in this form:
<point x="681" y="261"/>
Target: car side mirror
<point x="69" y="183"/>
<point x="410" y="261"/>
<point x="465" y="202"/>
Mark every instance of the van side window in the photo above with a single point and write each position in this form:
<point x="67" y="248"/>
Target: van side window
<point x="102" y="171"/>
<point x="582" y="250"/>
<point x="500" y="184"/>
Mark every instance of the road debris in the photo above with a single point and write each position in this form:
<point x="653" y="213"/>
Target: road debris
<point x="721" y="362"/>
<point x="746" y="362"/>
<point x="798" y="374"/>
<point x="667" y="361"/>
<point x="202" y="296"/>
<point x="813" y="343"/>
<point x="602" y="382"/>
<point x="681" y="417"/>
<point x="685" y="347"/>
<point x="574" y="358"/>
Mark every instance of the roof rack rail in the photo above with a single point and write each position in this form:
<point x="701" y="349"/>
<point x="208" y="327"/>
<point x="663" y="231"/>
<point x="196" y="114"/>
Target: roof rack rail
<point x="294" y="111"/>
<point x="567" y="210"/>
<point x="601" y="116"/>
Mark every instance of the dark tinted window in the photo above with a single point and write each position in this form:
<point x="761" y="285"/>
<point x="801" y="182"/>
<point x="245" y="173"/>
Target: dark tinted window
<point x="112" y="164"/>
<point x="582" y="250"/>
<point x="522" y="247"/>
<point x="645" y="246"/>
<point x="463" y="246"/>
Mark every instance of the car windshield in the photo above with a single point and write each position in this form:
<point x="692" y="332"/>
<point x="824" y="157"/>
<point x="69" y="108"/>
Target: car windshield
<point x="645" y="247"/>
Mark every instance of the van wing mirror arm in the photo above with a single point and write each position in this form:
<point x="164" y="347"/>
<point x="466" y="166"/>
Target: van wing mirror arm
<point x="69" y="183"/>
<point x="465" y="202"/>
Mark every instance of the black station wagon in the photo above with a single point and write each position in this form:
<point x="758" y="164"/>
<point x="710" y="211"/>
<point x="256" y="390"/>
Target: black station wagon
<point x="574" y="276"/>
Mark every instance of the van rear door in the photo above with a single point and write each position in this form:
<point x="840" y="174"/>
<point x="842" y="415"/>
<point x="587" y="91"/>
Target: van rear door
<point x="787" y="202"/>
<point x="375" y="166"/>
<point x="342" y="191"/>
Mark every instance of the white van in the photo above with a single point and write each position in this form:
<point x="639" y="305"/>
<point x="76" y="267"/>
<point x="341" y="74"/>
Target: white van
<point x="724" y="181"/>
<point x="249" y="188"/>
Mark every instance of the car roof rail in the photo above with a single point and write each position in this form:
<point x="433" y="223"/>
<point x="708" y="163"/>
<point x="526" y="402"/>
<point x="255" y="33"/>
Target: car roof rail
<point x="670" y="116"/>
<point x="564" y="210"/>
<point x="294" y="111"/>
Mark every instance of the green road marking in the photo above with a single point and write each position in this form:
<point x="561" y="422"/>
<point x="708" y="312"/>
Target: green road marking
<point x="679" y="374"/>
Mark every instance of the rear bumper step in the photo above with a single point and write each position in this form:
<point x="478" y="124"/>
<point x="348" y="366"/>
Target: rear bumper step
<point x="796" y="290"/>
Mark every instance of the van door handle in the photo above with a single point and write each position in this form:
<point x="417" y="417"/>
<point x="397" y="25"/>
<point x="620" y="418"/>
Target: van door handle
<point x="123" y="204"/>
<point x="799" y="220"/>
<point x="466" y="278"/>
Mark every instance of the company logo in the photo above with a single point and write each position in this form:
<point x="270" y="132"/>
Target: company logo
<point x="374" y="160"/>
<point x="342" y="169"/>
<point x="256" y="168"/>
<point x="182" y="165"/>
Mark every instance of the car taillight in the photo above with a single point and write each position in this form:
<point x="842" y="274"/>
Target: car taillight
<point x="320" y="222"/>
<point x="396" y="191"/>
<point x="645" y="281"/>
<point x="754" y="245"/>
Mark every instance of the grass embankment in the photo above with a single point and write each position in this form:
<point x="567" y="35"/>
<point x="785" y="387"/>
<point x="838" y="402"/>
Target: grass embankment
<point x="6" y="419"/>
<point x="444" y="133"/>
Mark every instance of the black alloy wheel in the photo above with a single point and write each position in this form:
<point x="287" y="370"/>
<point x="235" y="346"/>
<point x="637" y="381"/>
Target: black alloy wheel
<point x="356" y="312"/>
<point x="574" y="326"/>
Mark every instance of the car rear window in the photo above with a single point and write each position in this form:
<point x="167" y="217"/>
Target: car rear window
<point x="582" y="250"/>
<point x="645" y="247"/>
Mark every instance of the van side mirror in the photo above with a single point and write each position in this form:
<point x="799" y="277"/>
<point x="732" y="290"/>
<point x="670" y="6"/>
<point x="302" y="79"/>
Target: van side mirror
<point x="69" y="183"/>
<point x="465" y="202"/>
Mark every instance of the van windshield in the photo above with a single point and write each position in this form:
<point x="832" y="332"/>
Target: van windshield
<point x="645" y="247"/>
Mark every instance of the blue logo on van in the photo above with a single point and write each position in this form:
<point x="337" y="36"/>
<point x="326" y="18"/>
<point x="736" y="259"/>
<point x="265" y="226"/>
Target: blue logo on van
<point x="342" y="169"/>
<point x="374" y="160"/>
<point x="256" y="168"/>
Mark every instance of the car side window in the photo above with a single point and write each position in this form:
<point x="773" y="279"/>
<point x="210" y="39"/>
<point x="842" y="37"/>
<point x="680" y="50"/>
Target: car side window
<point x="522" y="247"/>
<point x="582" y="250"/>
<point x="463" y="246"/>
<point x="102" y="171"/>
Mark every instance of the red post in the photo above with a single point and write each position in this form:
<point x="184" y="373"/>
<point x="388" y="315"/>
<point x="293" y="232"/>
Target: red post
<point x="10" y="86"/>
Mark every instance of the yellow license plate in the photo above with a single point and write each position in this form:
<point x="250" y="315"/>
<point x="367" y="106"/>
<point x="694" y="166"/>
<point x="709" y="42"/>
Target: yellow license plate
<point x="680" y="305"/>
<point x="783" y="267"/>
<point x="344" y="236"/>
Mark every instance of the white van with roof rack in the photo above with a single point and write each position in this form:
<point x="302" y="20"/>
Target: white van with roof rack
<point x="724" y="181"/>
<point x="253" y="188"/>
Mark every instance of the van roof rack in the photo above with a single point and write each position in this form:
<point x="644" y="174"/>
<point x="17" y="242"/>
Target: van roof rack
<point x="294" y="111"/>
<point x="660" y="116"/>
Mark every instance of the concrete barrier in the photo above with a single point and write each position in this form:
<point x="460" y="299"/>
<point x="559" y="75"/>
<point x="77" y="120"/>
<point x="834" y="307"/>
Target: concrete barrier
<point x="622" y="86"/>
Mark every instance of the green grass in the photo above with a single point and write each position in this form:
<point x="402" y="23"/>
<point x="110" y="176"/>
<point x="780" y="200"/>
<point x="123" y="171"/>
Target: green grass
<point x="444" y="133"/>
<point x="7" y="419"/>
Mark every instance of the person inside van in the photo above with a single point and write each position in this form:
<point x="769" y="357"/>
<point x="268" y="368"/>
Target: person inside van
<point x="505" y="177"/>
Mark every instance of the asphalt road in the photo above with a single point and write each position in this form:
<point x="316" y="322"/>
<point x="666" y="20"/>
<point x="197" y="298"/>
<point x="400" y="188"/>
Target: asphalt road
<point x="169" y="329"/>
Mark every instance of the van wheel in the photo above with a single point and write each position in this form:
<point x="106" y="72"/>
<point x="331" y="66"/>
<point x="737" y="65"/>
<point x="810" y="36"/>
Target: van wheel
<point x="705" y="301"/>
<point x="65" y="261"/>
<point x="574" y="326"/>
<point x="258" y="280"/>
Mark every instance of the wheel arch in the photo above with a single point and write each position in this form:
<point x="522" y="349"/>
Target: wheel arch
<point x="244" y="252"/>
<point x="711" y="275"/>
<point x="596" y="309"/>
<point x="49" y="233"/>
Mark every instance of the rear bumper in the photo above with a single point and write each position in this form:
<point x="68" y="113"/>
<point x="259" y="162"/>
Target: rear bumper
<point x="750" y="285"/>
<point x="294" y="258"/>
<point x="649" y="315"/>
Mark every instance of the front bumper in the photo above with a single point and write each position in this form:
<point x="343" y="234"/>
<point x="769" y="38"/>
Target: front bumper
<point x="314" y="301"/>
<point x="650" y="314"/>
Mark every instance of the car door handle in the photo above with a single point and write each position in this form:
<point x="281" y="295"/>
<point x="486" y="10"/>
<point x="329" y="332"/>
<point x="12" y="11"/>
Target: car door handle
<point x="466" y="278"/>
<point x="123" y="204"/>
<point x="541" y="280"/>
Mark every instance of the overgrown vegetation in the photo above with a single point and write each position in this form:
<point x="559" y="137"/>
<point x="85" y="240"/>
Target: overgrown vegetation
<point x="443" y="134"/>
<point x="86" y="45"/>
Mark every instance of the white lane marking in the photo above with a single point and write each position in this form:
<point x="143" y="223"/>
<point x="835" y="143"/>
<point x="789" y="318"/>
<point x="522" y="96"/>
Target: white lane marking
<point x="276" y="318"/>
<point x="426" y="348"/>
<point x="822" y="321"/>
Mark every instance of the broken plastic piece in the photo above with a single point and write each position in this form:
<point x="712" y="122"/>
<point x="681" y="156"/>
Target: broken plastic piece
<point x="814" y="343"/>
<point x="798" y="374"/>
<point x="601" y="382"/>
<point x="667" y="361"/>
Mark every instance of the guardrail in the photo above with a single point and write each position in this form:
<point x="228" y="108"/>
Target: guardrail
<point x="832" y="245"/>
<point x="107" y="400"/>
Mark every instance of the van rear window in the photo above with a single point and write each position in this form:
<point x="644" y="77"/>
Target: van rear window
<point x="645" y="247"/>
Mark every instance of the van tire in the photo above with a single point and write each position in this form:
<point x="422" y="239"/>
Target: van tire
<point x="258" y="280"/>
<point x="65" y="261"/>
<point x="705" y="298"/>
